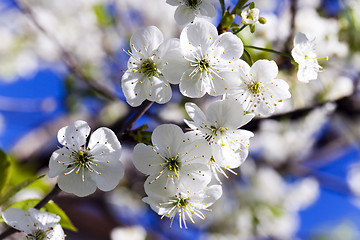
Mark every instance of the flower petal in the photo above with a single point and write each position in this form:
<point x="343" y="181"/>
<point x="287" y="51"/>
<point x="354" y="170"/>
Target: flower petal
<point x="44" y="217"/>
<point x="192" y="86"/>
<point x="207" y="9"/>
<point x="173" y="2"/>
<point x="175" y="66"/>
<point x="59" y="161"/>
<point x="72" y="183"/>
<point x="228" y="46"/>
<point x="145" y="40"/>
<point x="134" y="87"/>
<point x="74" y="135"/>
<point x="168" y="138"/>
<point x="184" y="14"/>
<point x="19" y="219"/>
<point x="199" y="34"/>
<point x="300" y="38"/>
<point x="160" y="90"/>
<point x="146" y="160"/>
<point x="109" y="171"/>
<point x="264" y="70"/>
<point x="195" y="112"/>
<point x="103" y="139"/>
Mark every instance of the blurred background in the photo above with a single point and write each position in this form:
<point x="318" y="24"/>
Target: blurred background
<point x="61" y="61"/>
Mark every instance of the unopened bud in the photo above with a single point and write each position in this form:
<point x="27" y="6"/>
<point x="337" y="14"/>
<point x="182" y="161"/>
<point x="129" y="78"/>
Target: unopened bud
<point x="252" y="5"/>
<point x="226" y="22"/>
<point x="262" y="20"/>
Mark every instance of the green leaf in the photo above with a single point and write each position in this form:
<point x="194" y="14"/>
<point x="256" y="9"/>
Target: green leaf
<point x="50" y="207"/>
<point x="12" y="191"/>
<point x="140" y="135"/>
<point x="222" y="3"/>
<point x="4" y="170"/>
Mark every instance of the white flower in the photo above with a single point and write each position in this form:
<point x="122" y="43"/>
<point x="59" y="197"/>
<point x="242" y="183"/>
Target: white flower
<point x="173" y="161"/>
<point x="228" y="144"/>
<point x="304" y="55"/>
<point x="187" y="10"/>
<point x="205" y="62"/>
<point x="185" y="204"/>
<point x="250" y="16"/>
<point x="36" y="224"/>
<point x="82" y="165"/>
<point x="143" y="79"/>
<point x="259" y="91"/>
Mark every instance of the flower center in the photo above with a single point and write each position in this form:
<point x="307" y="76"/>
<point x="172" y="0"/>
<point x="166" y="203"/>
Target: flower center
<point x="193" y="3"/>
<point x="37" y="235"/>
<point x="174" y="165"/>
<point x="254" y="87"/>
<point x="82" y="157"/>
<point x="148" y="68"/>
<point x="204" y="65"/>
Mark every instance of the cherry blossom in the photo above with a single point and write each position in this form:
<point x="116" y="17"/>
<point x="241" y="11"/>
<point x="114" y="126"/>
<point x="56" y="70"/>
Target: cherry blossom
<point x="188" y="10"/>
<point x="220" y="128"/>
<point x="205" y="61"/>
<point x="84" y="165"/>
<point x="259" y="92"/>
<point x="38" y="225"/>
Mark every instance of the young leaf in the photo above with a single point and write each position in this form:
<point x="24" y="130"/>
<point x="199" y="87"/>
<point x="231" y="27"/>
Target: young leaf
<point x="4" y="170"/>
<point x="12" y="191"/>
<point x="50" y="207"/>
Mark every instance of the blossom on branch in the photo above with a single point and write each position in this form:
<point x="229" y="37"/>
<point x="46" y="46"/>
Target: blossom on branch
<point x="220" y="129"/>
<point x="205" y="61"/>
<point x="173" y="161"/>
<point x="188" y="10"/>
<point x="186" y="204"/>
<point x="86" y="161"/>
<point x="259" y="92"/>
<point x="143" y="79"/>
<point x="305" y="56"/>
<point x="38" y="225"/>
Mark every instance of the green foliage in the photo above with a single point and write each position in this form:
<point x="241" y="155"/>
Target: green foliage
<point x="140" y="135"/>
<point x="104" y="19"/>
<point x="5" y="170"/>
<point x="13" y="190"/>
<point x="50" y="207"/>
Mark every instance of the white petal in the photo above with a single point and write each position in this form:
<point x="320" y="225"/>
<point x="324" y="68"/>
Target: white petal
<point x="44" y="217"/>
<point x="146" y="40"/>
<point x="195" y="112"/>
<point x="300" y="38"/>
<point x="229" y="47"/>
<point x="74" y="135"/>
<point x="264" y="70"/>
<point x="207" y="197"/>
<point x="192" y="87"/>
<point x="103" y="139"/>
<point x="168" y="138"/>
<point x="207" y="9"/>
<point x="194" y="177"/>
<point x="175" y="66"/>
<point x="19" y="219"/>
<point x="160" y="90"/>
<point x="167" y="46"/>
<point x="72" y="183"/>
<point x="57" y="233"/>
<point x="224" y="81"/>
<point x="173" y="2"/>
<point x="228" y="113"/>
<point x="225" y="156"/>
<point x="306" y="73"/>
<point x="63" y="155"/>
<point x="133" y="90"/>
<point x="184" y="14"/>
<point x="111" y="169"/>
<point x="200" y="33"/>
<point x="146" y="160"/>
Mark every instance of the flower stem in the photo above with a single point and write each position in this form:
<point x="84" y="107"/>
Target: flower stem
<point x="56" y="190"/>
<point x="269" y="50"/>
<point x="240" y="29"/>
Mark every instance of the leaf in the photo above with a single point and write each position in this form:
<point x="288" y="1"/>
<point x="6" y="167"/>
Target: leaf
<point x="140" y="135"/>
<point x="12" y="191"/>
<point x="222" y="3"/>
<point x="50" y="207"/>
<point x="4" y="170"/>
